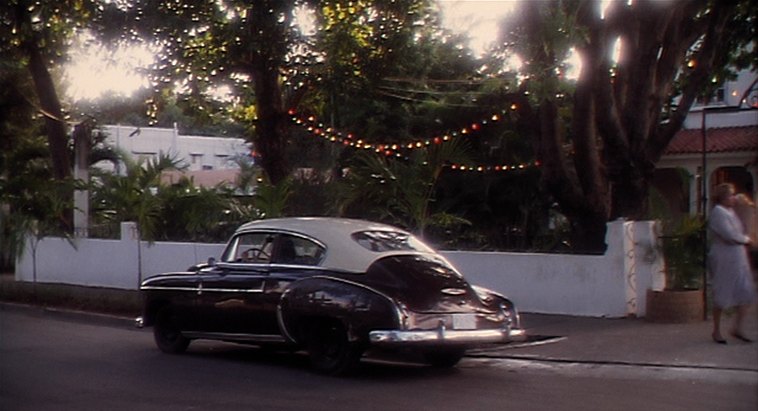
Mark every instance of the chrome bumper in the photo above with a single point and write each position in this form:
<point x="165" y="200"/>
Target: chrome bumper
<point x="443" y="336"/>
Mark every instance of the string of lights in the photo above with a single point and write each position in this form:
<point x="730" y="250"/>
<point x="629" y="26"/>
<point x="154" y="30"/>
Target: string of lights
<point x="319" y="129"/>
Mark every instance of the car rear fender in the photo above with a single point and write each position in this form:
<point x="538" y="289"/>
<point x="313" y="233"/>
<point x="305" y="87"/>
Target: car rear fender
<point x="358" y="307"/>
<point x="495" y="300"/>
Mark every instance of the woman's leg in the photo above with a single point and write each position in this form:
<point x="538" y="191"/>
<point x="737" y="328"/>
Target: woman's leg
<point x="717" y="325"/>
<point x="739" y="319"/>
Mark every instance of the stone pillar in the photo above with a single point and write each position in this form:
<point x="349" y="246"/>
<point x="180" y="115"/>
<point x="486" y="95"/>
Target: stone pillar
<point x="636" y="245"/>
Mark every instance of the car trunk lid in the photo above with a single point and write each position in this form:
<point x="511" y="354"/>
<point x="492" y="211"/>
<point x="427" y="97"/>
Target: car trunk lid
<point x="424" y="284"/>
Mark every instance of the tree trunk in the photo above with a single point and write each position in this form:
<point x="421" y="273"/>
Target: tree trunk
<point x="268" y="53"/>
<point x="50" y="107"/>
<point x="48" y="99"/>
<point x="629" y="197"/>
<point x="271" y="127"/>
<point x="585" y="208"/>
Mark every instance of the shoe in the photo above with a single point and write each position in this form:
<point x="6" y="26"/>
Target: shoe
<point x="739" y="336"/>
<point x="718" y="340"/>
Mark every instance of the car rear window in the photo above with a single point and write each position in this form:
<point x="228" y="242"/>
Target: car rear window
<point x="381" y="241"/>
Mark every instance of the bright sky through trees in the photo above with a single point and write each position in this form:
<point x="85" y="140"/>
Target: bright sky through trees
<point x="477" y="18"/>
<point x="92" y="73"/>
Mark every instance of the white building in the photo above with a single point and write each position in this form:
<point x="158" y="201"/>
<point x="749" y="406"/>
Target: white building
<point x="197" y="152"/>
<point x="209" y="161"/>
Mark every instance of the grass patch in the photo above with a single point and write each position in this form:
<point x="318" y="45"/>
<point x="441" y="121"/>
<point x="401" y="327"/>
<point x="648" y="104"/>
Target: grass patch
<point x="94" y="299"/>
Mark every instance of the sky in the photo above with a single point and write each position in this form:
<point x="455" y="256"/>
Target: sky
<point x="477" y="18"/>
<point x="91" y="74"/>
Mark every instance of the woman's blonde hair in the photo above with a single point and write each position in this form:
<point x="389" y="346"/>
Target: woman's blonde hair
<point x="721" y="192"/>
<point x="744" y="200"/>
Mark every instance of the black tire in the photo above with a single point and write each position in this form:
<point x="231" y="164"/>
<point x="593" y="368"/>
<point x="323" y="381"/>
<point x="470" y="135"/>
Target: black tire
<point x="167" y="336"/>
<point x="329" y="349"/>
<point x="445" y="358"/>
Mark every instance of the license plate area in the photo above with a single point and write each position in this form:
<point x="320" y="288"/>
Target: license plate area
<point x="464" y="321"/>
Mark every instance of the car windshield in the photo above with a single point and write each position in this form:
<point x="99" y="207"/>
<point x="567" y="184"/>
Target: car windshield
<point x="380" y="241"/>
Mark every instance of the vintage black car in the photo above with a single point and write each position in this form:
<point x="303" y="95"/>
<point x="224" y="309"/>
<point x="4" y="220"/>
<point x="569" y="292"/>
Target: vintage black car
<point x="334" y="287"/>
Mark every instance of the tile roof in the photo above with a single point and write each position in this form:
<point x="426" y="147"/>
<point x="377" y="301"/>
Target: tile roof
<point x="718" y="140"/>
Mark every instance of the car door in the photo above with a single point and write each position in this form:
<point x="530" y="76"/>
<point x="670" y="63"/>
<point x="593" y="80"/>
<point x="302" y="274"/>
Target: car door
<point x="294" y="257"/>
<point x="286" y="257"/>
<point x="230" y="295"/>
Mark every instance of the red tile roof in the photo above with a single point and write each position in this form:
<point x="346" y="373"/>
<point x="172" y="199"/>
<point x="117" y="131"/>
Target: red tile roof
<point x="718" y="140"/>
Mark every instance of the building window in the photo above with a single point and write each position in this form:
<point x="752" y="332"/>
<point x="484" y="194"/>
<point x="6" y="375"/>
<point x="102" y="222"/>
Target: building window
<point x="716" y="98"/>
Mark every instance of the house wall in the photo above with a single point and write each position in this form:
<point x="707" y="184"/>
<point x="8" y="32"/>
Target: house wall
<point x="609" y="285"/>
<point x="747" y="115"/>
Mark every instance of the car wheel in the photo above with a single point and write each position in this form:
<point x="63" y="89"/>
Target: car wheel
<point x="167" y="336"/>
<point x="446" y="358"/>
<point x="330" y="351"/>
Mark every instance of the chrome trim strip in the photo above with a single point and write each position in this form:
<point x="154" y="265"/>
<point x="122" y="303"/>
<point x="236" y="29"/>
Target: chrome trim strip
<point x="279" y="231"/>
<point x="181" y="277"/>
<point x="444" y="336"/>
<point x="164" y="288"/>
<point x="280" y="316"/>
<point x="236" y="337"/>
<point x="234" y="290"/>
<point x="201" y="289"/>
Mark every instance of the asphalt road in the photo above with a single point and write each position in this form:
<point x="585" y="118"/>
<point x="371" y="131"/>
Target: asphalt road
<point x="52" y="363"/>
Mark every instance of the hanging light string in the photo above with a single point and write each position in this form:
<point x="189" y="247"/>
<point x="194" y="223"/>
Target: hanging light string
<point x="318" y="129"/>
<point x="501" y="167"/>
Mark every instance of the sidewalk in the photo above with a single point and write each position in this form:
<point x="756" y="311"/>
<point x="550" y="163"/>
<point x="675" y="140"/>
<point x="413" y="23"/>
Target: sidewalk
<point x="638" y="342"/>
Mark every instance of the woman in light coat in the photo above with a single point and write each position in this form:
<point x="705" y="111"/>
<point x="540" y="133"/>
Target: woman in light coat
<point x="732" y="280"/>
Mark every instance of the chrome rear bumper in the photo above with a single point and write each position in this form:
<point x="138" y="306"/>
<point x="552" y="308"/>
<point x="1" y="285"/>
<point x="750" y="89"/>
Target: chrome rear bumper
<point x="443" y="336"/>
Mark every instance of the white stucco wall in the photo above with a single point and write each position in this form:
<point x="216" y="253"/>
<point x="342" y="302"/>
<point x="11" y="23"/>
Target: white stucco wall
<point x="609" y="285"/>
<point x="109" y="263"/>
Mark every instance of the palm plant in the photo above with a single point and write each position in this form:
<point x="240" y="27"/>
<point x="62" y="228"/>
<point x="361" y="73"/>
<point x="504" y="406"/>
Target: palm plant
<point x="36" y="204"/>
<point x="134" y="196"/>
<point x="402" y="191"/>
<point x="195" y="213"/>
<point x="270" y="200"/>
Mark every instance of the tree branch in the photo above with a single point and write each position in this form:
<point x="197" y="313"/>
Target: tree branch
<point x="694" y="81"/>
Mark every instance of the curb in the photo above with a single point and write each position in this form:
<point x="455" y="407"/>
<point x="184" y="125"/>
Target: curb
<point x="71" y="315"/>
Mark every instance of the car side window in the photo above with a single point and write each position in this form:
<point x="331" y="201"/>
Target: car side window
<point x="289" y="249"/>
<point x="251" y="248"/>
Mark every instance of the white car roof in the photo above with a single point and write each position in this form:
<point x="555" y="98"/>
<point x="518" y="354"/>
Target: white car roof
<point x="342" y="251"/>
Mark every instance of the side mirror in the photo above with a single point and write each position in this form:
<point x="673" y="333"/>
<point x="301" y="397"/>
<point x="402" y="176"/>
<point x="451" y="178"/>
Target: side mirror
<point x="211" y="262"/>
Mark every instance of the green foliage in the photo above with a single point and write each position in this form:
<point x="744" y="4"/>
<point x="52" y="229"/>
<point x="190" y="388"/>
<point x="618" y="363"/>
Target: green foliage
<point x="134" y="196"/>
<point x="682" y="243"/>
<point x="49" y="23"/>
<point x="507" y="211"/>
<point x="33" y="204"/>
<point x="197" y="214"/>
<point x="271" y="199"/>
<point x="401" y="191"/>
<point x="684" y="253"/>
